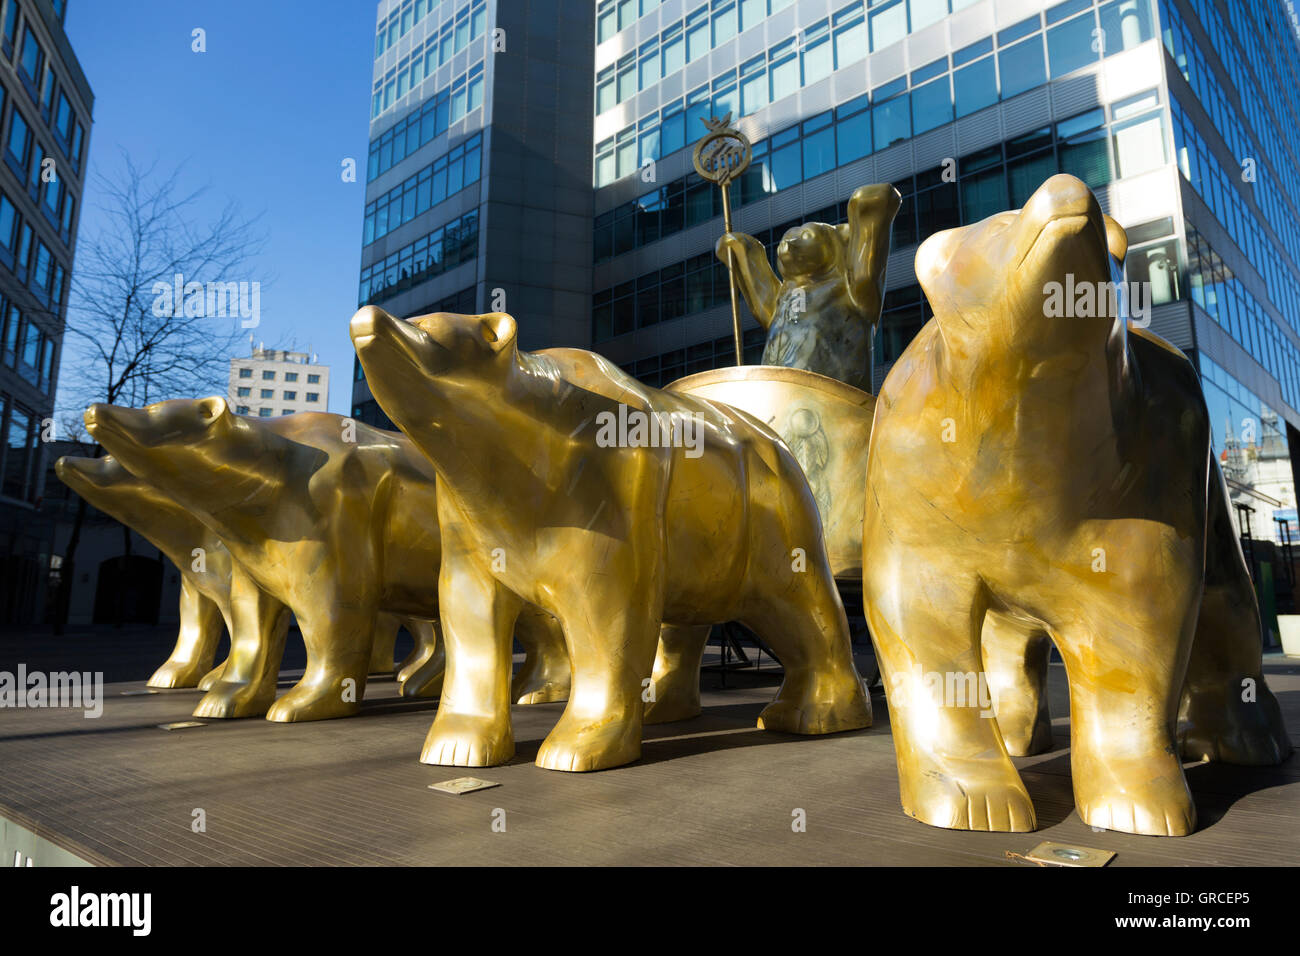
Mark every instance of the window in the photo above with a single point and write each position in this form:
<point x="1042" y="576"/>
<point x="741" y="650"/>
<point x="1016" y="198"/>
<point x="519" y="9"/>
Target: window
<point x="13" y="325"/>
<point x="18" y="457"/>
<point x="268" y="376"/>
<point x="41" y="273"/>
<point x="313" y="397"/>
<point x="1070" y="45"/>
<point x="264" y="413"/>
<point x="850" y="36"/>
<point x="976" y="86"/>
<point x="20" y="137"/>
<point x="672" y="50"/>
<point x="267" y="393"/>
<point x="1022" y="67"/>
<point x="33" y="58"/>
<point x="290" y="396"/>
<point x="241" y="410"/>
<point x="931" y="105"/>
<point x="853" y="136"/>
<point x="818" y="146"/>
<point x="984" y="185"/>
<point x="243" y="391"/>
<point x="890" y="122"/>
<point x="1085" y="148"/>
<point x="783" y="72"/>
<point x="724" y="23"/>
<point x="291" y="376"/>
<point x="11" y="25"/>
<point x="888" y="25"/>
<point x="245" y="373"/>
<point x="926" y="12"/>
<point x="313" y="379"/>
<point x="8" y="223"/>
<point x="1125" y="23"/>
<point x="1139" y="143"/>
<point x="31" y="350"/>
<point x="817" y="54"/>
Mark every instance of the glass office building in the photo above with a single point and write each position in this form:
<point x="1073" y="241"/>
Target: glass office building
<point x="45" y="120"/>
<point x="530" y="171"/>
<point x="1182" y="115"/>
<point x="478" y="178"/>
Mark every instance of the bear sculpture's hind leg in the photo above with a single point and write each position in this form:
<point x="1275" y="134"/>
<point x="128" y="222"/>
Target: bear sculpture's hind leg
<point x="809" y="634"/>
<point x="247" y="683"/>
<point x="544" y="677"/>
<point x="422" y="671"/>
<point x="1016" y="655"/>
<point x="338" y="636"/>
<point x="676" y="675"/>
<point x="196" y="643"/>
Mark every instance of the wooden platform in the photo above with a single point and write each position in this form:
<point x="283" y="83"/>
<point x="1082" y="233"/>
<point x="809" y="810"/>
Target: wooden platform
<point x="715" y="790"/>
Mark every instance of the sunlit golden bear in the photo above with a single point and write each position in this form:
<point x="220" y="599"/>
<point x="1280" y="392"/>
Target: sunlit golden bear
<point x="1052" y="471"/>
<point x="821" y="313"/>
<point x="332" y="519"/>
<point x="553" y="489"/>
<point x="206" y="570"/>
<point x="200" y="557"/>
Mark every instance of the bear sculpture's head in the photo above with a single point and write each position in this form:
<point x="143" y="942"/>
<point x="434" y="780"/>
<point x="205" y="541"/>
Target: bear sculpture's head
<point x="414" y="367"/>
<point x="183" y="445"/>
<point x="813" y="249"/>
<point x="1008" y="282"/>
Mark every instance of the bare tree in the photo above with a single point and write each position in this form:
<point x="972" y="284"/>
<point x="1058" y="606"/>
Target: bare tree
<point x="134" y="340"/>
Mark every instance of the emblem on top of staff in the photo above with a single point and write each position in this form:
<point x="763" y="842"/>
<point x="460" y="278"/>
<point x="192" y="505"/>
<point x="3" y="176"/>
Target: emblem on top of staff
<point x="722" y="153"/>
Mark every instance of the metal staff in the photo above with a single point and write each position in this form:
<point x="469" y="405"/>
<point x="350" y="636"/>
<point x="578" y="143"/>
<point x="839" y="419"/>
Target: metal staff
<point x="720" y="156"/>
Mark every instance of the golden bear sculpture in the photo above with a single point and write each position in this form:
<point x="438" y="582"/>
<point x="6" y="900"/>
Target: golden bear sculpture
<point x="1052" y="471"/>
<point x="206" y="568"/>
<point x="821" y="314"/>
<point x="1226" y="713"/>
<point x="333" y="520"/>
<point x="204" y="563"/>
<point x="618" y="508"/>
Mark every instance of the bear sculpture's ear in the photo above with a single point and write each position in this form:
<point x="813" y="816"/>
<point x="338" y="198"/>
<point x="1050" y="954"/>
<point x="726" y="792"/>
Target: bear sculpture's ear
<point x="213" y="409"/>
<point x="498" y="330"/>
<point x="843" y="230"/>
<point x="1116" y="239"/>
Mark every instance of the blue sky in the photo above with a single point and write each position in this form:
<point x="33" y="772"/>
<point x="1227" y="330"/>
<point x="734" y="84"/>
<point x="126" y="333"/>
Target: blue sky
<point x="264" y="117"/>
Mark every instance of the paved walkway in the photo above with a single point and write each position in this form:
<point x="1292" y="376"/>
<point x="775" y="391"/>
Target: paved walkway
<point x="714" y="790"/>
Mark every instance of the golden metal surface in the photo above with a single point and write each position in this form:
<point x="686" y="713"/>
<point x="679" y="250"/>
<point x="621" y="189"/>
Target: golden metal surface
<point x="615" y="536"/>
<point x="205" y="576"/>
<point x="822" y="313"/>
<point x="1053" y="470"/>
<point x="326" y="518"/>
<point x="825" y="423"/>
<point x="1226" y="711"/>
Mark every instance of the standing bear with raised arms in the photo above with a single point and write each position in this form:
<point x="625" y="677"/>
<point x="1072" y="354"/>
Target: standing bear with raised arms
<point x="822" y="313"/>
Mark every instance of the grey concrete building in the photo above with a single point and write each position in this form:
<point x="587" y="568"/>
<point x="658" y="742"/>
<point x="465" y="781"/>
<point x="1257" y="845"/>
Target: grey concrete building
<point x="272" y="382"/>
<point x="478" y="194"/>
<point x="45" y="121"/>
